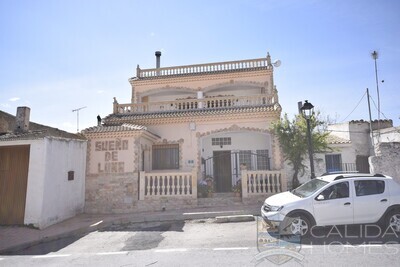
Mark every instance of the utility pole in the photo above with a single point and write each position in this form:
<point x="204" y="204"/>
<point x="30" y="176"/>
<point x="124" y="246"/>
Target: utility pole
<point x="375" y="57"/>
<point x="77" y="117"/>
<point x="372" y="152"/>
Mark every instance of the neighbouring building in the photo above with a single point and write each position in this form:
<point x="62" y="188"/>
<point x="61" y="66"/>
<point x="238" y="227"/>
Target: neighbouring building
<point x="42" y="172"/>
<point x="353" y="146"/>
<point x="387" y="134"/>
<point x="184" y="126"/>
<point x="387" y="152"/>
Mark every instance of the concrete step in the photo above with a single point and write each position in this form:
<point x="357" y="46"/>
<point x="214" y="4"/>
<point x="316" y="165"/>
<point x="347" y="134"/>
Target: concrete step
<point x="221" y="195"/>
<point x="220" y="199"/>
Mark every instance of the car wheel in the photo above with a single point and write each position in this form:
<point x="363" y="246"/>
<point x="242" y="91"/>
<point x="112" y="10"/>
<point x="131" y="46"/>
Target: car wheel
<point x="393" y="220"/>
<point x="299" y="225"/>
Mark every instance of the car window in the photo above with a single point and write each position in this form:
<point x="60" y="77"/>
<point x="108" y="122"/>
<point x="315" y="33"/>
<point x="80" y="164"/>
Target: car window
<point x="369" y="187"/>
<point x="339" y="190"/>
<point x="309" y="188"/>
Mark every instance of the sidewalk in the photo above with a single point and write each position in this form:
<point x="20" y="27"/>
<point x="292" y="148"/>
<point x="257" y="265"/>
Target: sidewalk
<point x="14" y="238"/>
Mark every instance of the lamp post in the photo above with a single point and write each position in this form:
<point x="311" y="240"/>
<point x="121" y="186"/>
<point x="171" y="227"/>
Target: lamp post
<point x="307" y="111"/>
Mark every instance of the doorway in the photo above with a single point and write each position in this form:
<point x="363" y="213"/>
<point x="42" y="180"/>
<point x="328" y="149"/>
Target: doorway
<point x="222" y="170"/>
<point x="14" y="164"/>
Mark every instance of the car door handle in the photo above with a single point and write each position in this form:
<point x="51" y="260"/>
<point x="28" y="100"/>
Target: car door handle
<point x="384" y="200"/>
<point x="347" y="203"/>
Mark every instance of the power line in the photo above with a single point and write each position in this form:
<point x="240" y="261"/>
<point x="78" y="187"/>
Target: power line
<point x="355" y="107"/>
<point x="377" y="108"/>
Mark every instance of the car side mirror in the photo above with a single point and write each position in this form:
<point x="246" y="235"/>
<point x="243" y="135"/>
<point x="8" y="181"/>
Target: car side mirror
<point x="320" y="197"/>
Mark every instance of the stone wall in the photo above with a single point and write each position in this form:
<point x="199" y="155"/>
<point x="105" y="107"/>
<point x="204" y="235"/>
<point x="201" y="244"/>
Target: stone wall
<point x="387" y="160"/>
<point x="119" y="193"/>
<point x="111" y="193"/>
<point x="165" y="203"/>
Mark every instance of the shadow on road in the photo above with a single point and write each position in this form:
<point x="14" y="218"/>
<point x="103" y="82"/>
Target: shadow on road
<point x="147" y="236"/>
<point x="176" y="226"/>
<point x="46" y="247"/>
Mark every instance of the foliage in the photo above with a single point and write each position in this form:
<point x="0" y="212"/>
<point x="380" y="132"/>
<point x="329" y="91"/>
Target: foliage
<point x="202" y="190"/>
<point x="237" y="188"/>
<point x="206" y="187"/>
<point x="292" y="136"/>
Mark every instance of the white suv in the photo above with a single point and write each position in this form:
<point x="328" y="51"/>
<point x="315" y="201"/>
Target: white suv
<point x="335" y="199"/>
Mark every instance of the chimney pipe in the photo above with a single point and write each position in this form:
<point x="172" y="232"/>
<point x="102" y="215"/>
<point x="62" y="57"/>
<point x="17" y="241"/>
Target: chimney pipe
<point x="158" y="56"/>
<point x="22" y="119"/>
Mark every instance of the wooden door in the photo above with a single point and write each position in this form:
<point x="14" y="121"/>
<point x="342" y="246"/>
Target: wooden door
<point x="222" y="171"/>
<point x="14" y="164"/>
<point x="362" y="164"/>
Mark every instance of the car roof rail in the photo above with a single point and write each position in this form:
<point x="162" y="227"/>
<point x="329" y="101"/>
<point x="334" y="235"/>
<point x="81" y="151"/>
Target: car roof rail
<point x="339" y="172"/>
<point x="366" y="175"/>
<point x="339" y="177"/>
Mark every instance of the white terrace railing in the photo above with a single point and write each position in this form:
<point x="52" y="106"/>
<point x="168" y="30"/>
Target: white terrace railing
<point x="258" y="63"/>
<point x="156" y="185"/>
<point x="191" y="104"/>
<point x="257" y="183"/>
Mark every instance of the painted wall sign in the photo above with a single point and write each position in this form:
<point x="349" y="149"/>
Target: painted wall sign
<point x="110" y="160"/>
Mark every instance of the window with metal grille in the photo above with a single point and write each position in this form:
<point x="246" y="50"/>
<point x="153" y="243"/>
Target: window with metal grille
<point x="166" y="157"/>
<point x="221" y="141"/>
<point x="262" y="159"/>
<point x="245" y="158"/>
<point x="333" y="162"/>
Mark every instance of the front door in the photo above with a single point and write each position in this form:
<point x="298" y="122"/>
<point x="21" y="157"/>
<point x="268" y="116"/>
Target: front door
<point x="222" y="170"/>
<point x="14" y="165"/>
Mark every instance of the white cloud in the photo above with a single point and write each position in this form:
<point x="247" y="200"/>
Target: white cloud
<point x="13" y="99"/>
<point x="152" y="34"/>
<point x="100" y="91"/>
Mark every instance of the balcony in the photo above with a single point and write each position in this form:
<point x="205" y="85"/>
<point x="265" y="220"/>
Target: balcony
<point x="219" y="67"/>
<point x="195" y="104"/>
<point x="362" y="167"/>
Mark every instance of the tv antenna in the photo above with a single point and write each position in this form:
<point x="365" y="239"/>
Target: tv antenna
<point x="77" y="117"/>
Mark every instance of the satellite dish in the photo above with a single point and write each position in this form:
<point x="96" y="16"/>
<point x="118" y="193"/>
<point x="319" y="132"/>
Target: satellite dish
<point x="277" y="63"/>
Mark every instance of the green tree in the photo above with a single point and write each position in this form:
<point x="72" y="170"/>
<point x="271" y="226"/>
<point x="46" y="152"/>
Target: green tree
<point x="292" y="136"/>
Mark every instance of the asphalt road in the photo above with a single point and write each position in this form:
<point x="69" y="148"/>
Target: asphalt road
<point x="205" y="243"/>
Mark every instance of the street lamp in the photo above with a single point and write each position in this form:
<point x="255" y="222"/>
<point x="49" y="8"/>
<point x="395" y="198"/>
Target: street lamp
<point x="308" y="110"/>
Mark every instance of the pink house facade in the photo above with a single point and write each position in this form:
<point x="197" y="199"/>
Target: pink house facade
<point x="187" y="126"/>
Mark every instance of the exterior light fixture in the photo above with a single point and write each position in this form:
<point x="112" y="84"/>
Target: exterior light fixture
<point x="307" y="110"/>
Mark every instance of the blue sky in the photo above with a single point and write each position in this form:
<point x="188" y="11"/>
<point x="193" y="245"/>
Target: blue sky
<point x="56" y="56"/>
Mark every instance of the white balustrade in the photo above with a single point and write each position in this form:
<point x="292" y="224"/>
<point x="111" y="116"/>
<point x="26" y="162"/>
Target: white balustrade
<point x="204" y="68"/>
<point x="192" y="104"/>
<point x="156" y="185"/>
<point x="255" y="183"/>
